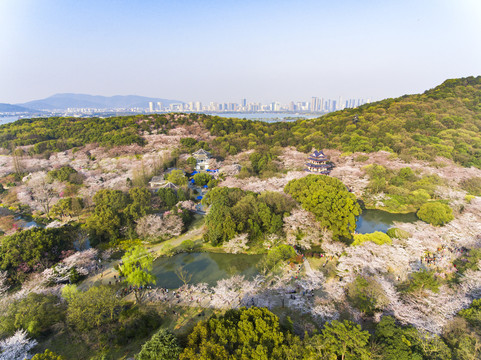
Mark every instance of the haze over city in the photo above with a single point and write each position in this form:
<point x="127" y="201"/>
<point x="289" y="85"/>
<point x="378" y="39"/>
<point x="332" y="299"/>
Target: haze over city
<point x="225" y="51"/>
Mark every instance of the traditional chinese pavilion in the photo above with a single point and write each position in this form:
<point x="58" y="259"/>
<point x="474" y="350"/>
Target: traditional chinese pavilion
<point x="202" y="157"/>
<point x="318" y="163"/>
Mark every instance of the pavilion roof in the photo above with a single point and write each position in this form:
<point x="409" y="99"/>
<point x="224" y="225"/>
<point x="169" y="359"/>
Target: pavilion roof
<point x="201" y="152"/>
<point x="318" y="155"/>
<point x="169" y="185"/>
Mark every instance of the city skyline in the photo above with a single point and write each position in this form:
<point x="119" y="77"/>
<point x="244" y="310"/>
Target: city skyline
<point x="316" y="104"/>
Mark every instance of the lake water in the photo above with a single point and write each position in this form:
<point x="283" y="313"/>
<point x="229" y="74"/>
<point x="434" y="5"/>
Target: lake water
<point x="378" y="220"/>
<point x="8" y="119"/>
<point x="267" y="117"/>
<point x="204" y="268"/>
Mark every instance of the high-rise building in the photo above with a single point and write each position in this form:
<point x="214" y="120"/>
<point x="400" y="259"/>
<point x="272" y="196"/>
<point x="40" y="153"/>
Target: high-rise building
<point x="159" y="106"/>
<point x="151" y="106"/>
<point x="244" y="102"/>
<point x="314" y="104"/>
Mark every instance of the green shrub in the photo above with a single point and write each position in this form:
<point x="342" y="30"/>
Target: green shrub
<point x="419" y="281"/>
<point x="473" y="313"/>
<point x="377" y="237"/>
<point x="277" y="255"/>
<point x="187" y="245"/>
<point x="468" y="262"/>
<point x="202" y="179"/>
<point x="47" y="355"/>
<point x="469" y="198"/>
<point x="472" y="186"/>
<point x="177" y="177"/>
<point x="435" y="213"/>
<point x="66" y="173"/>
<point x="36" y="313"/>
<point x="163" y="345"/>
<point x="361" y="158"/>
<point x="398" y="234"/>
<point x="367" y="295"/>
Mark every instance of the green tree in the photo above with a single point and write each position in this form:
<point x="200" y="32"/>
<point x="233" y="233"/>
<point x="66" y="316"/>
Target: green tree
<point x="346" y="340"/>
<point x="168" y="197"/>
<point x="329" y="200"/>
<point x="187" y="245"/>
<point x="136" y="267"/>
<point x="69" y="292"/>
<point x="65" y="173"/>
<point x="367" y="295"/>
<point x="464" y="342"/>
<point x="420" y="281"/>
<point x="108" y="216"/>
<point x="277" y="255"/>
<point x="472" y="185"/>
<point x="163" y="345"/>
<point x="68" y="207"/>
<point x="192" y="162"/>
<point x="104" y="224"/>
<point x="252" y="333"/>
<point x="94" y="311"/>
<point x="188" y="142"/>
<point x="202" y="179"/>
<point x="36" y="313"/>
<point x="140" y="205"/>
<point x="47" y="355"/>
<point x="35" y="249"/>
<point x="473" y="313"/>
<point x="177" y="177"/>
<point x="397" y="343"/>
<point x="435" y="213"/>
<point x="234" y="211"/>
<point x="116" y="200"/>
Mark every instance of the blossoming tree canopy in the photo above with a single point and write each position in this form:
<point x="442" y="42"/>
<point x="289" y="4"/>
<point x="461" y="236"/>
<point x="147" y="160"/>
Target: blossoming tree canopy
<point x="329" y="200"/>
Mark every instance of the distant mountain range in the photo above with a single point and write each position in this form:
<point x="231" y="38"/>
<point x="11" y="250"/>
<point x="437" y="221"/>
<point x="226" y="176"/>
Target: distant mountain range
<point x="13" y="108"/>
<point x="65" y="101"/>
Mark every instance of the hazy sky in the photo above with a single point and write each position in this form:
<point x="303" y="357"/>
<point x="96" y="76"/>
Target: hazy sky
<point x="226" y="50"/>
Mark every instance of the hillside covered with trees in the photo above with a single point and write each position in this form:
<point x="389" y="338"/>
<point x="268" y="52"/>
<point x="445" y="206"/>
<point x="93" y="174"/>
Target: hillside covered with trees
<point x="114" y="244"/>
<point x="444" y="121"/>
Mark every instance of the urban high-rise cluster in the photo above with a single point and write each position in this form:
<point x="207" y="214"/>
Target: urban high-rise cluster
<point x="316" y="105"/>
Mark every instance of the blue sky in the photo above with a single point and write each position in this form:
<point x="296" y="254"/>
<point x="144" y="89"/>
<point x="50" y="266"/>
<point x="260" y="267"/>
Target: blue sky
<point x="227" y="50"/>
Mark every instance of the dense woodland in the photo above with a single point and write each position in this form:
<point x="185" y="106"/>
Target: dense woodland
<point x="444" y="121"/>
<point x="80" y="285"/>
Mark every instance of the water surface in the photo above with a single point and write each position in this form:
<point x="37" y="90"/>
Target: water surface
<point x="378" y="220"/>
<point x="204" y="267"/>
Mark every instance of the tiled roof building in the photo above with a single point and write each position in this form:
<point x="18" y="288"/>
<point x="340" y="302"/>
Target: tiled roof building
<point x="318" y="163"/>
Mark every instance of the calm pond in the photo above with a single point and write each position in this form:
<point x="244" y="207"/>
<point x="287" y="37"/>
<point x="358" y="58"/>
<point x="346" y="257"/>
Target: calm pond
<point x="211" y="267"/>
<point x="204" y="267"/>
<point x="378" y="220"/>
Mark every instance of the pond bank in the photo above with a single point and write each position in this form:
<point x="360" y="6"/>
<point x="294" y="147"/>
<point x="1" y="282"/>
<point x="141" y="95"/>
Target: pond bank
<point x="379" y="220"/>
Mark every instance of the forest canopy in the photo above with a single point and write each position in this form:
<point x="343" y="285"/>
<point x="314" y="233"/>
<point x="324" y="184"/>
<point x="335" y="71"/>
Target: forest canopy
<point x="443" y="121"/>
<point x="329" y="200"/>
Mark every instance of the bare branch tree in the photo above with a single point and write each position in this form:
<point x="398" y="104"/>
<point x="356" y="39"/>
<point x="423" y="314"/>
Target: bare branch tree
<point x="42" y="191"/>
<point x="183" y="275"/>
